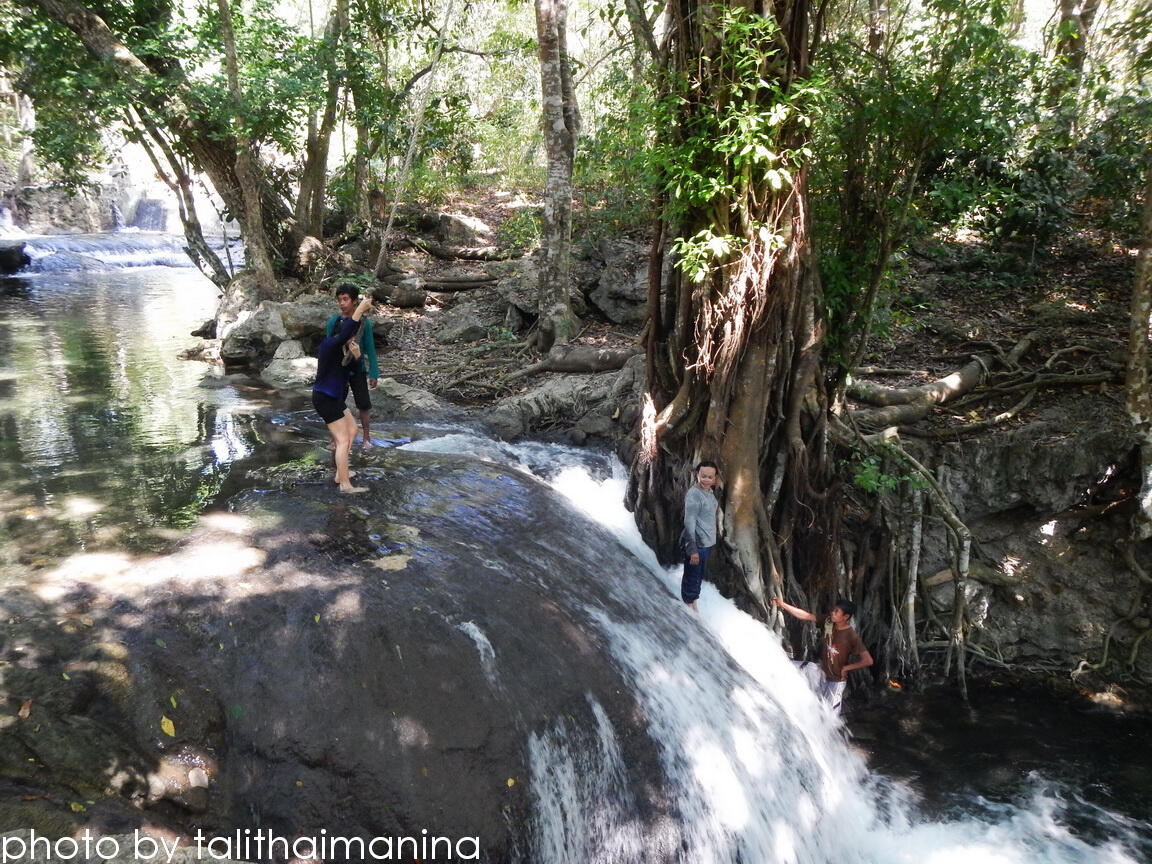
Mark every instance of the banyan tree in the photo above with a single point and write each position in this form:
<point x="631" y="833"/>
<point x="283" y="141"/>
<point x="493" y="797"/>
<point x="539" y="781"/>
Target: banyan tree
<point x="735" y="338"/>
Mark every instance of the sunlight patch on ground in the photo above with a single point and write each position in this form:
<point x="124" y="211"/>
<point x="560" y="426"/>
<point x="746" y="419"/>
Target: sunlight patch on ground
<point x="79" y="506"/>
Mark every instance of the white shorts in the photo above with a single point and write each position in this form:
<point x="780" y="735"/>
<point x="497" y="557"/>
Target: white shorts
<point x="831" y="692"/>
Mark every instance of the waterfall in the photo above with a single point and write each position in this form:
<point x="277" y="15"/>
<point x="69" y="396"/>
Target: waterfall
<point x="151" y="215"/>
<point x="757" y="770"/>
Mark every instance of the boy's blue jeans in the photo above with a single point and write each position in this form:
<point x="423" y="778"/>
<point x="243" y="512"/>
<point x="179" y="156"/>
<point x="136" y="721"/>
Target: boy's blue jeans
<point x="693" y="576"/>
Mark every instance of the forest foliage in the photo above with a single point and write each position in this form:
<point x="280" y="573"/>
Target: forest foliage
<point x="945" y="115"/>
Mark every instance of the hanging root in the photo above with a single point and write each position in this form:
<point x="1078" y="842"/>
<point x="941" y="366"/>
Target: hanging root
<point x="887" y="443"/>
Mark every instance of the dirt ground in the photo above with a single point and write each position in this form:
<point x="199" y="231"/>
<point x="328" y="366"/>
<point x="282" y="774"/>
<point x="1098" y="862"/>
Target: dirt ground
<point x="954" y="300"/>
<point x="958" y="300"/>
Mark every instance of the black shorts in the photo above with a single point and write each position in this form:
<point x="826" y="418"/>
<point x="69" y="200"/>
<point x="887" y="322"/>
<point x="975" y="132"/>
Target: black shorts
<point x="358" y="381"/>
<point x="329" y="408"/>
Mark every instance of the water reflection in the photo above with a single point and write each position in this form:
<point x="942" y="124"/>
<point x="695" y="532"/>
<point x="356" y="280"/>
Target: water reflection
<point x="108" y="438"/>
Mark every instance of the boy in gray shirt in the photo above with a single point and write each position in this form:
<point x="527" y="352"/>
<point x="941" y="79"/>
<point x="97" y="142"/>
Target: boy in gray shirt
<point x="699" y="531"/>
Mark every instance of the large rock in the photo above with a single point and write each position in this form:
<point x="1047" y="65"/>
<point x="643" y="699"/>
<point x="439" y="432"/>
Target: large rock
<point x="241" y="295"/>
<point x="12" y="256"/>
<point x="461" y="324"/>
<point x="253" y="338"/>
<point x="568" y="398"/>
<point x="1048" y="578"/>
<point x="409" y="294"/>
<point x="458" y="650"/>
<point x="456" y="229"/>
<point x="58" y="210"/>
<point x="1046" y="465"/>
<point x="290" y="367"/>
<point x="622" y="291"/>
<point x="518" y="283"/>
<point x="305" y="317"/>
<point x="393" y="399"/>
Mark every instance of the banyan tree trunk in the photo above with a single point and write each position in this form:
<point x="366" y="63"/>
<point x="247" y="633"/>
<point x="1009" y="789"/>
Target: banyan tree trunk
<point x="734" y="356"/>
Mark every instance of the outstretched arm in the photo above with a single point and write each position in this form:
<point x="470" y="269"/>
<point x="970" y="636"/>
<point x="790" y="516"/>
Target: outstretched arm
<point x="797" y="612"/>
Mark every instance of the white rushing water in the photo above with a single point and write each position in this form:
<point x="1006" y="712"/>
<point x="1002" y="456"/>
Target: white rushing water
<point x="760" y="771"/>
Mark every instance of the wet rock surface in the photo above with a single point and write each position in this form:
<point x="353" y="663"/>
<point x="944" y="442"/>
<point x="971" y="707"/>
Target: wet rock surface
<point x="372" y="666"/>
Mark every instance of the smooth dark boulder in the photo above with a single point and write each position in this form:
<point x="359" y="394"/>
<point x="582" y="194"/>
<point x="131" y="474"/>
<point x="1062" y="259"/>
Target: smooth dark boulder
<point x="365" y="665"/>
<point x="13" y="258"/>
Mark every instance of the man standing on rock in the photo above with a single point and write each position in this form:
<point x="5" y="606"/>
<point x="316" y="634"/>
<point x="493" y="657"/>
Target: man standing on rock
<point x="363" y="372"/>
<point x="840" y="644"/>
<point x="331" y="390"/>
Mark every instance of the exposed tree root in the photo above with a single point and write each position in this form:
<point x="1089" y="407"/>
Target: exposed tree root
<point x="974" y="650"/>
<point x="987" y="423"/>
<point x="887" y="444"/>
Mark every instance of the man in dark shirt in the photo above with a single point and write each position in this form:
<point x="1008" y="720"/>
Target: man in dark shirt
<point x="331" y="389"/>
<point x="363" y="372"/>
<point x="840" y="645"/>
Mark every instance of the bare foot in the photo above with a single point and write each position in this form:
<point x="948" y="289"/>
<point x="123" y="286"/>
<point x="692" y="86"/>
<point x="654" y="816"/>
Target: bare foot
<point x="351" y="474"/>
<point x="352" y="490"/>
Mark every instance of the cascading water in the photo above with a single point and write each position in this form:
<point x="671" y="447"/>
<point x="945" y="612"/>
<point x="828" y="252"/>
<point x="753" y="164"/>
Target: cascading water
<point x="759" y="769"/>
<point x="95" y="251"/>
<point x="151" y="215"/>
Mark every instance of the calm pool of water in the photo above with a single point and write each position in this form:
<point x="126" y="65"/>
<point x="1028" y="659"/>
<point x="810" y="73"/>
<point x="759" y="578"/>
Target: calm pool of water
<point x="107" y="439"/>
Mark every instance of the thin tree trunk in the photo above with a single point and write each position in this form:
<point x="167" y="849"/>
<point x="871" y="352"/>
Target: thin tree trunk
<point x="181" y="185"/>
<point x="310" y="201"/>
<point x="1139" y="381"/>
<point x="257" y="252"/>
<point x="561" y="127"/>
<point x="909" y="602"/>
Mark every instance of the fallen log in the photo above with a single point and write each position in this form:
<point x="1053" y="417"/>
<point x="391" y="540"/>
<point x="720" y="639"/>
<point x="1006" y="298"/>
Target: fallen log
<point x="442" y="284"/>
<point x="944" y="389"/>
<point x="468" y="253"/>
<point x="578" y="358"/>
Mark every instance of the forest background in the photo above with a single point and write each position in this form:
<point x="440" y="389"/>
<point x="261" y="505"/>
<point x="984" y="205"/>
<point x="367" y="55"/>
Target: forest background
<point x="788" y="163"/>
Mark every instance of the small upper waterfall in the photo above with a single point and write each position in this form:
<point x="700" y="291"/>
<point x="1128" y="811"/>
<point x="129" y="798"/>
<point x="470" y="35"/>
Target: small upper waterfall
<point x="151" y="215"/>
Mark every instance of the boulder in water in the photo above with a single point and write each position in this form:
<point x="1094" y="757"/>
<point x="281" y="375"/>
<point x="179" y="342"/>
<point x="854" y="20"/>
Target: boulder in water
<point x="254" y="337"/>
<point x="12" y="256"/>
<point x="290" y="367"/>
